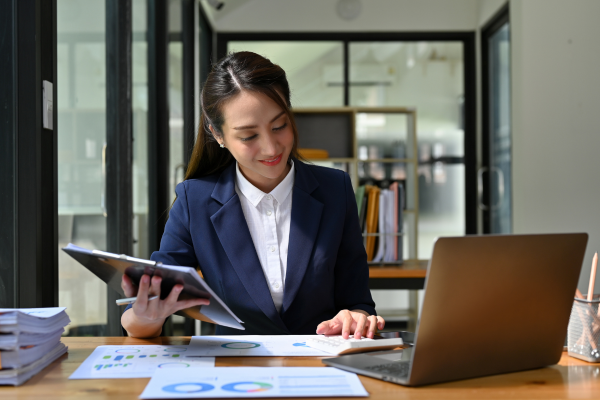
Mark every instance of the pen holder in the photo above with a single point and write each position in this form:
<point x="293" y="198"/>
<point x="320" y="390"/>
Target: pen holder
<point x="584" y="330"/>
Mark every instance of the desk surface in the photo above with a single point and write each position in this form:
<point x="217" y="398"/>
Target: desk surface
<point x="571" y="378"/>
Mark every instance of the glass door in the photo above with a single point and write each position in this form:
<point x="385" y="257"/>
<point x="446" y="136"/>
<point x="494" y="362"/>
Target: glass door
<point x="428" y="76"/>
<point x="81" y="90"/>
<point x="495" y="175"/>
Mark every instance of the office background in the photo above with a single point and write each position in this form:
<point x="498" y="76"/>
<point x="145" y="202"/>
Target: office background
<point x="554" y="184"/>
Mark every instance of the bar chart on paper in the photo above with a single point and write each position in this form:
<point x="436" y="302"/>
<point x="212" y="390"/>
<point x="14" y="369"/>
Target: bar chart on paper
<point x="136" y="361"/>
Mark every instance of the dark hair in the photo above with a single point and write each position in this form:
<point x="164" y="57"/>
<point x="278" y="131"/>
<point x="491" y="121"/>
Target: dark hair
<point x="239" y="71"/>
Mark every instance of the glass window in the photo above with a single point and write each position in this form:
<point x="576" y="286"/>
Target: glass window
<point x="139" y="76"/>
<point x="500" y="135"/>
<point x="429" y="77"/>
<point x="176" y="163"/>
<point x="81" y="91"/>
<point x="314" y="70"/>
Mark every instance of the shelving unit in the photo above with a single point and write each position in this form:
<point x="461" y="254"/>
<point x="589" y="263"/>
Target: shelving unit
<point x="363" y="141"/>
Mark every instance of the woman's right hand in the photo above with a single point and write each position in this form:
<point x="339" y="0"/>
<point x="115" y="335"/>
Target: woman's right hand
<point x="146" y="317"/>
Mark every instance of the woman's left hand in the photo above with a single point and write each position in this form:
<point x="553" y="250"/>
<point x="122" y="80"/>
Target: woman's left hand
<point x="356" y="322"/>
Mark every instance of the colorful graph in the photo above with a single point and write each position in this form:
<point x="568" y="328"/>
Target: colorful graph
<point x="188" y="387"/>
<point x="130" y="356"/>
<point x="99" y="367"/>
<point x="247" y="387"/>
<point x="240" y="345"/>
<point x="173" y="365"/>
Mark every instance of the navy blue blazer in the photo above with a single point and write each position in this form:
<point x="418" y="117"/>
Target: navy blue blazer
<point x="327" y="264"/>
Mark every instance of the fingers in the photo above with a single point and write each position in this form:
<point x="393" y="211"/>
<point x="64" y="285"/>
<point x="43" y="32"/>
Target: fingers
<point x="324" y="327"/>
<point x="351" y="321"/>
<point x="155" y="307"/>
<point x="361" y="321"/>
<point x="173" y="296"/>
<point x="183" y="304"/>
<point x="371" y="326"/>
<point x="380" y="323"/>
<point x="347" y="323"/>
<point x="155" y="286"/>
<point x="142" y="296"/>
<point x="128" y="286"/>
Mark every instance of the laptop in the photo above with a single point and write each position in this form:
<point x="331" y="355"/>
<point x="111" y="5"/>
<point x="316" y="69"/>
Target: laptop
<point x="492" y="304"/>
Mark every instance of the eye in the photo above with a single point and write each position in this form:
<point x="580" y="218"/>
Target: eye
<point x="278" y="128"/>
<point x="247" y="139"/>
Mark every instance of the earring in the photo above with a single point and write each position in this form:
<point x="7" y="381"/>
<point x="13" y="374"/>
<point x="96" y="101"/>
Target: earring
<point x="222" y="145"/>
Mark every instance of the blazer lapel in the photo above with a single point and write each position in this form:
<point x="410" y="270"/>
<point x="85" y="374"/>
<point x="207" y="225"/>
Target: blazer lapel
<point x="231" y="227"/>
<point x="304" y="227"/>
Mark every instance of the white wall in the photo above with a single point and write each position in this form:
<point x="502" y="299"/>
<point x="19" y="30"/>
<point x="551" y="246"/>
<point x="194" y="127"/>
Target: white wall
<point x="556" y="119"/>
<point x="321" y="16"/>
<point x="487" y="9"/>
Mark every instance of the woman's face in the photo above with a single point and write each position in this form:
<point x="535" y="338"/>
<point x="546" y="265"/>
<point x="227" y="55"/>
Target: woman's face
<point x="258" y="134"/>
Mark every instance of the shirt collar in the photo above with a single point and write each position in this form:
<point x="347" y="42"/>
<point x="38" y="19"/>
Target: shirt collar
<point x="255" y="195"/>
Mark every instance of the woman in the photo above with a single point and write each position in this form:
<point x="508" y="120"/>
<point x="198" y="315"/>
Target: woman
<point x="277" y="239"/>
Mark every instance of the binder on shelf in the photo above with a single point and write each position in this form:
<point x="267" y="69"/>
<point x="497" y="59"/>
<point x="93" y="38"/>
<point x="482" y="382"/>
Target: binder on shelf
<point x="383" y="232"/>
<point x="360" y="195"/>
<point x="383" y="224"/>
<point x="400" y="224"/>
<point x="391" y="233"/>
<point x="396" y="213"/>
<point x="363" y="212"/>
<point x="372" y="219"/>
<point x="110" y="268"/>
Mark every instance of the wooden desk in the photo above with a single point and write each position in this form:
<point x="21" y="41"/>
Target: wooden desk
<point x="571" y="378"/>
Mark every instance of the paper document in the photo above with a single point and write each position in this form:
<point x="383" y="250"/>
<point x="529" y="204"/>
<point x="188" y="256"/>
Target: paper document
<point x="110" y="362"/>
<point x="18" y="376"/>
<point x="25" y="355"/>
<point x="253" y="382"/>
<point x="25" y="339"/>
<point x="32" y="320"/>
<point x="253" y="346"/>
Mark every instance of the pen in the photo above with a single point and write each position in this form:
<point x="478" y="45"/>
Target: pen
<point x="590" y="293"/>
<point x="129" y="300"/>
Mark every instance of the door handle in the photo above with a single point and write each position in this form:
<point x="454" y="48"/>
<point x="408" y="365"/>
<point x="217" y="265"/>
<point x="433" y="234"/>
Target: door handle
<point x="103" y="187"/>
<point x="480" y="172"/>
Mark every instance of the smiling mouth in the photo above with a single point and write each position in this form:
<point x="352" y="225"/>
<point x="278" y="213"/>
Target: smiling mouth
<point x="273" y="161"/>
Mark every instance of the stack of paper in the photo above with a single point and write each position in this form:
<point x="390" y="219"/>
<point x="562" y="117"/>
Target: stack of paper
<point x="29" y="341"/>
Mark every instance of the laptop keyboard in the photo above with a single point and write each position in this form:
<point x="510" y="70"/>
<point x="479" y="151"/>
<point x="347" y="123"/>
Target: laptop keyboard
<point x="396" y="369"/>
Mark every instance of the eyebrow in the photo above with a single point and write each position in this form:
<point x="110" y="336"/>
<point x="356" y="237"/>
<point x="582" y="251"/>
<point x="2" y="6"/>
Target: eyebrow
<point x="241" y="128"/>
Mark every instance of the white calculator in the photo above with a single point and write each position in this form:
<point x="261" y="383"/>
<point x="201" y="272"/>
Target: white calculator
<point x="339" y="345"/>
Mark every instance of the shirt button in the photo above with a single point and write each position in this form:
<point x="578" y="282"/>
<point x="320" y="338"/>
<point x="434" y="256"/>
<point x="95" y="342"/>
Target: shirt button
<point x="272" y="249"/>
<point x="277" y="286"/>
<point x="268" y="197"/>
<point x="269" y="213"/>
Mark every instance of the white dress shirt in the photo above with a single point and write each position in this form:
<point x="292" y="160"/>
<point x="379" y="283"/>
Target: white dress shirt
<point x="268" y="217"/>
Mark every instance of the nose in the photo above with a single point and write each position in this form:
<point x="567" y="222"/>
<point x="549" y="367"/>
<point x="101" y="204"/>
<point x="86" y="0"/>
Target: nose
<point x="269" y="145"/>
